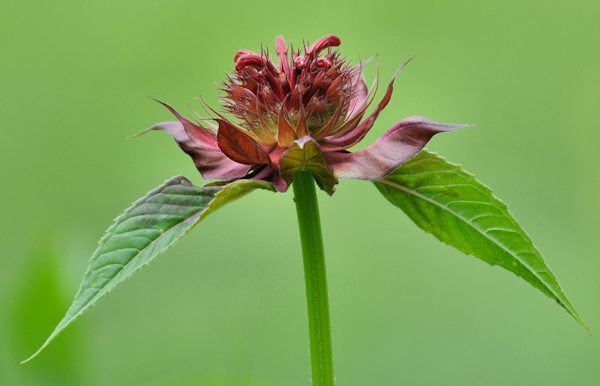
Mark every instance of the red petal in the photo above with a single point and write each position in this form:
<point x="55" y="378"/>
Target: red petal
<point x="324" y="42"/>
<point x="282" y="56"/>
<point x="240" y="53"/>
<point x="254" y="60"/>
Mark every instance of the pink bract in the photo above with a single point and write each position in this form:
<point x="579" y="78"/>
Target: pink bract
<point x="302" y="114"/>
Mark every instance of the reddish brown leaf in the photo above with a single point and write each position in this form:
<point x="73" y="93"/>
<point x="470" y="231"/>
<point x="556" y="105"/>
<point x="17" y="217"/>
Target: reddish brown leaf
<point x="239" y="146"/>
<point x="399" y="144"/>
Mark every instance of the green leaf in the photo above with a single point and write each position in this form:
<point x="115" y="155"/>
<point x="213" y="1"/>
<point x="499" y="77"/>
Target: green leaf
<point x="151" y="225"/>
<point x="449" y="203"/>
<point x="305" y="154"/>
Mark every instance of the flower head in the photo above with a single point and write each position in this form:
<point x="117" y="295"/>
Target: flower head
<point x="301" y="114"/>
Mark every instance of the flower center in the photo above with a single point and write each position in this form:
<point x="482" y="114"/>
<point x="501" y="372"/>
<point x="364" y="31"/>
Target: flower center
<point x="312" y="84"/>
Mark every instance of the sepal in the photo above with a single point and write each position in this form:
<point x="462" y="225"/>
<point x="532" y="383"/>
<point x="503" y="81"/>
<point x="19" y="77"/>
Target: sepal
<point x="305" y="154"/>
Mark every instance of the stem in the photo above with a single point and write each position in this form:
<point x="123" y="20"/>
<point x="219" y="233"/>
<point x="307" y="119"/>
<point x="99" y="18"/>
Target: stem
<point x="315" y="276"/>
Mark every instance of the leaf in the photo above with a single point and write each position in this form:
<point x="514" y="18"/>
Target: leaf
<point x="401" y="142"/>
<point x="305" y="154"/>
<point x="151" y="225"/>
<point x="239" y="146"/>
<point x="200" y="143"/>
<point x="448" y="202"/>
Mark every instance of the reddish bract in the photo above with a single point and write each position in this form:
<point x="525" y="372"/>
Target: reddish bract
<point x="312" y="97"/>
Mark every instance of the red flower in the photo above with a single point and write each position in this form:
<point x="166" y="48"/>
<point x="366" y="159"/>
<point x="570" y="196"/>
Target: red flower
<point x="302" y="114"/>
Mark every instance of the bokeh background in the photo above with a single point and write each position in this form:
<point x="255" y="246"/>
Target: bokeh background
<point x="226" y="305"/>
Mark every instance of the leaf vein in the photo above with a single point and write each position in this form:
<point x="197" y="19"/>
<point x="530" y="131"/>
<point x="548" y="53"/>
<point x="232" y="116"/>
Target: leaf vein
<point x="439" y="204"/>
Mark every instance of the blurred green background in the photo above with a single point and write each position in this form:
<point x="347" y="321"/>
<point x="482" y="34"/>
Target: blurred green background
<point x="226" y="305"/>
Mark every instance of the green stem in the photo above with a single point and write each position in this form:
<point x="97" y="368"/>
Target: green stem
<point x="315" y="276"/>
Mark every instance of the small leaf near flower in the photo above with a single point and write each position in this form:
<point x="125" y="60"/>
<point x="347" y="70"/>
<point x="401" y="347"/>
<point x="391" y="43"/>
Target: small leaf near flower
<point x="239" y="146"/>
<point x="305" y="154"/>
<point x="399" y="144"/>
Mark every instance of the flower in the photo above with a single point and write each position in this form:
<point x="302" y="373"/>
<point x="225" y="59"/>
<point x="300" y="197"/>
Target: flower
<point x="302" y="114"/>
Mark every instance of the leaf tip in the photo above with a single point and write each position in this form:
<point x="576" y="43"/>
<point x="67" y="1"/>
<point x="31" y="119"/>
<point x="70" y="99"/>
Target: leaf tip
<point x="583" y="324"/>
<point x="34" y="354"/>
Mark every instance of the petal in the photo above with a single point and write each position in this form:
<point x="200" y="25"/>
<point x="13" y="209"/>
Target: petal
<point x="359" y="88"/>
<point x="305" y="154"/>
<point x="239" y="146"/>
<point x="254" y="60"/>
<point x="352" y="120"/>
<point x="200" y="143"/>
<point x="240" y="53"/>
<point x="354" y="136"/>
<point x="209" y="160"/>
<point x="361" y="92"/>
<point x="280" y="184"/>
<point x="268" y="174"/>
<point x="282" y="56"/>
<point x="321" y="44"/>
<point x="400" y="143"/>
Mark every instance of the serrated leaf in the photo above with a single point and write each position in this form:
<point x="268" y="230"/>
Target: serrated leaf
<point x="151" y="225"/>
<point x="449" y="203"/>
